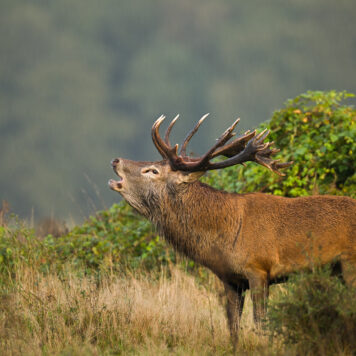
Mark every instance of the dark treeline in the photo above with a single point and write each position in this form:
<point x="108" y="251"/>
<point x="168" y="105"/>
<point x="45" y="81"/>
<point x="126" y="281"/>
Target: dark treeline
<point x="82" y="81"/>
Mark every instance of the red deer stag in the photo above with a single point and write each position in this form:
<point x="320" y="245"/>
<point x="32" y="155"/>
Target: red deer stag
<point x="247" y="240"/>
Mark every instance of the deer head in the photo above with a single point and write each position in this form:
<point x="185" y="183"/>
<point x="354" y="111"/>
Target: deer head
<point x="143" y="184"/>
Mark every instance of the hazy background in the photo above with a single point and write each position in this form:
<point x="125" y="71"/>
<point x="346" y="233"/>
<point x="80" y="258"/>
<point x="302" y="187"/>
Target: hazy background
<point x="82" y="81"/>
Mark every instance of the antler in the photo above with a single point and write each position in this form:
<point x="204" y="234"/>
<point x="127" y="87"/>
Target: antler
<point x="247" y="147"/>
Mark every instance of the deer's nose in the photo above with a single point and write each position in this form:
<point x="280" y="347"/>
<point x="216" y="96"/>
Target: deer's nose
<point x="115" y="162"/>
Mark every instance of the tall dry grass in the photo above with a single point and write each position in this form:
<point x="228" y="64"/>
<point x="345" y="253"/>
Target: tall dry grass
<point x="139" y="314"/>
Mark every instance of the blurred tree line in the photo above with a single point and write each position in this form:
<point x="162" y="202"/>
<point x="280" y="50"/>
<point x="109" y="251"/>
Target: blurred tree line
<point x="82" y="81"/>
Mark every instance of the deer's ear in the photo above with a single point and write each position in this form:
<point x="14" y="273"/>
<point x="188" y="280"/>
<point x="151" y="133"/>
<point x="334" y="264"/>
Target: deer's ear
<point x="189" y="177"/>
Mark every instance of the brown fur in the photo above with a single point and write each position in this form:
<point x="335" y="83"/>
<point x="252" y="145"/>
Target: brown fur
<point x="247" y="240"/>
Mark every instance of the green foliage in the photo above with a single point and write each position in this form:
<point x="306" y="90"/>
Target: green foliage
<point x="318" y="132"/>
<point x="114" y="239"/>
<point x="18" y="245"/>
<point x="316" y="313"/>
<point x="117" y="236"/>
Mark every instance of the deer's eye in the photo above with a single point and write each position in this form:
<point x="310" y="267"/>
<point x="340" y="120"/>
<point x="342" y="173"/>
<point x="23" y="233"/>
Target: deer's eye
<point x="150" y="170"/>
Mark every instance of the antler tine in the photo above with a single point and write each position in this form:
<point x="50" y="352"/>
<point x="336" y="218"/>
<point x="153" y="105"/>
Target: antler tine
<point x="182" y="151"/>
<point x="262" y="135"/>
<point x="221" y="141"/>
<point x="263" y="157"/>
<point x="257" y="151"/>
<point x="166" y="151"/>
<point x="235" y="146"/>
<point x="273" y="165"/>
<point x="156" y="136"/>
<point x="202" y="163"/>
<point x="168" y="132"/>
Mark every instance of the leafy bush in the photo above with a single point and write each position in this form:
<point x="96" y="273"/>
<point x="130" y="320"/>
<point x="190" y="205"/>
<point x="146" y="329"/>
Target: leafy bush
<point x="17" y="243"/>
<point x="318" y="133"/>
<point x="117" y="236"/>
<point x="316" y="313"/>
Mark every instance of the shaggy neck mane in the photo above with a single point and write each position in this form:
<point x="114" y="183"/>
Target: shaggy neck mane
<point x="192" y="215"/>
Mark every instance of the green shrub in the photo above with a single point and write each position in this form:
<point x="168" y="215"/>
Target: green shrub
<point x="318" y="133"/>
<point x="316" y="313"/>
<point x="117" y="236"/>
<point x="114" y="239"/>
<point x="18" y="244"/>
<point x="117" y="239"/>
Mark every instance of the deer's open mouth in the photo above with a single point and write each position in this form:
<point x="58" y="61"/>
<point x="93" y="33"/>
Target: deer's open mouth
<point x="116" y="184"/>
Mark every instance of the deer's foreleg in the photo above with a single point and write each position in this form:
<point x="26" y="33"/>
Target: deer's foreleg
<point x="235" y="297"/>
<point x="258" y="283"/>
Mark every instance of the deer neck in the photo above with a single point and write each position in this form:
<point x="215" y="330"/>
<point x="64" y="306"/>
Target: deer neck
<point x="194" y="219"/>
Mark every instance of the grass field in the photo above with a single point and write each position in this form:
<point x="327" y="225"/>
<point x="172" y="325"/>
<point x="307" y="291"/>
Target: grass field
<point x="136" y="314"/>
